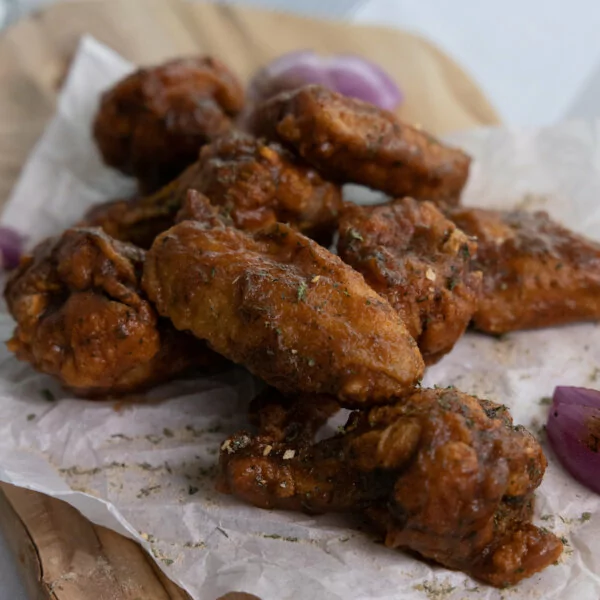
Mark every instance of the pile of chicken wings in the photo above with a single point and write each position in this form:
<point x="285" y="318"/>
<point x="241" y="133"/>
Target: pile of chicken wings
<point x="226" y="255"/>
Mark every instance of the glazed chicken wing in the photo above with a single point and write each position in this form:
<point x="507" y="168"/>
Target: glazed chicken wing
<point x="420" y="262"/>
<point x="536" y="273"/>
<point x="152" y="123"/>
<point x="257" y="183"/>
<point x="284" y="307"/>
<point x="352" y="141"/>
<point x="82" y="317"/>
<point x="442" y="473"/>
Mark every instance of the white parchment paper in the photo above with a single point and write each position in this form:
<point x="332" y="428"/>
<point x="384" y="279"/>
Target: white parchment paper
<point x="147" y="469"/>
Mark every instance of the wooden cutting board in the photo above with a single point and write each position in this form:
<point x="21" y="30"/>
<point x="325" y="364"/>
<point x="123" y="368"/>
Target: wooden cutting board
<point x="62" y="555"/>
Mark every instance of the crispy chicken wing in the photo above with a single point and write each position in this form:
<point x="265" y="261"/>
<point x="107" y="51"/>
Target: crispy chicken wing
<point x="351" y="141"/>
<point x="82" y="317"/>
<point x="442" y="473"/>
<point x="261" y="184"/>
<point x="536" y="273"/>
<point x="284" y="307"/>
<point x="152" y="123"/>
<point x="420" y="262"/>
<point x="257" y="183"/>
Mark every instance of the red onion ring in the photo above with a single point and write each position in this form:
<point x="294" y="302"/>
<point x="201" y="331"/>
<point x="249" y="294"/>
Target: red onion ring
<point x="11" y="246"/>
<point x="574" y="433"/>
<point x="347" y="74"/>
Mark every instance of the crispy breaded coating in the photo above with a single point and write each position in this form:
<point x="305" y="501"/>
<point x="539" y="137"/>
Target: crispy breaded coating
<point x="285" y="308"/>
<point x="441" y="473"/>
<point x="152" y="123"/>
<point x="82" y="318"/>
<point x="418" y="260"/>
<point x="348" y="140"/>
<point x="536" y="273"/>
<point x="261" y="183"/>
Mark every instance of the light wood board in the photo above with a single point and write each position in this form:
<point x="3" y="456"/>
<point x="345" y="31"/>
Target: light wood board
<point x="62" y="555"/>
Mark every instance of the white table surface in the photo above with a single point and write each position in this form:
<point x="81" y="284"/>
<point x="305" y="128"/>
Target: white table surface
<point x="537" y="60"/>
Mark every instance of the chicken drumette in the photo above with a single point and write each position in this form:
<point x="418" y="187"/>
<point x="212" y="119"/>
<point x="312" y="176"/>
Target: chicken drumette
<point x="152" y="123"/>
<point x="420" y="262"/>
<point x="82" y="317"/>
<point x="352" y="141"/>
<point x="441" y="473"/>
<point x="257" y="183"/>
<point x="536" y="273"/>
<point x="286" y="308"/>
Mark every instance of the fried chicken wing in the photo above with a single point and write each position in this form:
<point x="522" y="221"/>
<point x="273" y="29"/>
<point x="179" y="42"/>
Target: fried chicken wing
<point x="536" y="273"/>
<point x="442" y="473"/>
<point x="257" y="183"/>
<point x="82" y="318"/>
<point x="420" y="262"/>
<point x="152" y="123"/>
<point x="352" y="141"/>
<point x="261" y="184"/>
<point x="284" y="307"/>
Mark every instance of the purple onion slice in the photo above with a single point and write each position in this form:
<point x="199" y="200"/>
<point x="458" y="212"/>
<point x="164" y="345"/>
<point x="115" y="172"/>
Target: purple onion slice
<point x="574" y="433"/>
<point x="11" y="247"/>
<point x="347" y="74"/>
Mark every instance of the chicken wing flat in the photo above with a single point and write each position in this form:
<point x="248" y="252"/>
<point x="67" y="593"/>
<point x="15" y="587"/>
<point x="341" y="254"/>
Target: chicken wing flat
<point x="419" y="261"/>
<point x="152" y="123"/>
<point x="442" y="473"/>
<point x="352" y="141"/>
<point x="82" y="318"/>
<point x="257" y="183"/>
<point x="261" y="183"/>
<point x="536" y="273"/>
<point x="284" y="307"/>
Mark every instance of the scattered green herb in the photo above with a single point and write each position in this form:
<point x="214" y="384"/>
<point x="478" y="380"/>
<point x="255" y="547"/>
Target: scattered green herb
<point x="302" y="291"/>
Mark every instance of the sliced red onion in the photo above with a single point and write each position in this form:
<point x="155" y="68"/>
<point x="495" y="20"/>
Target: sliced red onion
<point x="357" y="77"/>
<point x="347" y="74"/>
<point x="287" y="72"/>
<point x="574" y="433"/>
<point x="11" y="246"/>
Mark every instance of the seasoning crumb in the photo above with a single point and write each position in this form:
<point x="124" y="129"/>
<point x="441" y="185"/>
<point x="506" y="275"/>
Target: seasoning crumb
<point x="586" y="516"/>
<point x="301" y="294"/>
<point x="47" y="395"/>
<point x="545" y="401"/>
<point x="227" y="446"/>
<point x="267" y="450"/>
<point x="315" y="279"/>
<point x="192" y="490"/>
<point x="430" y="274"/>
<point x="146" y="491"/>
<point x="31" y="417"/>
<point x="167" y="561"/>
<point x="168" y="433"/>
<point x="288" y="454"/>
